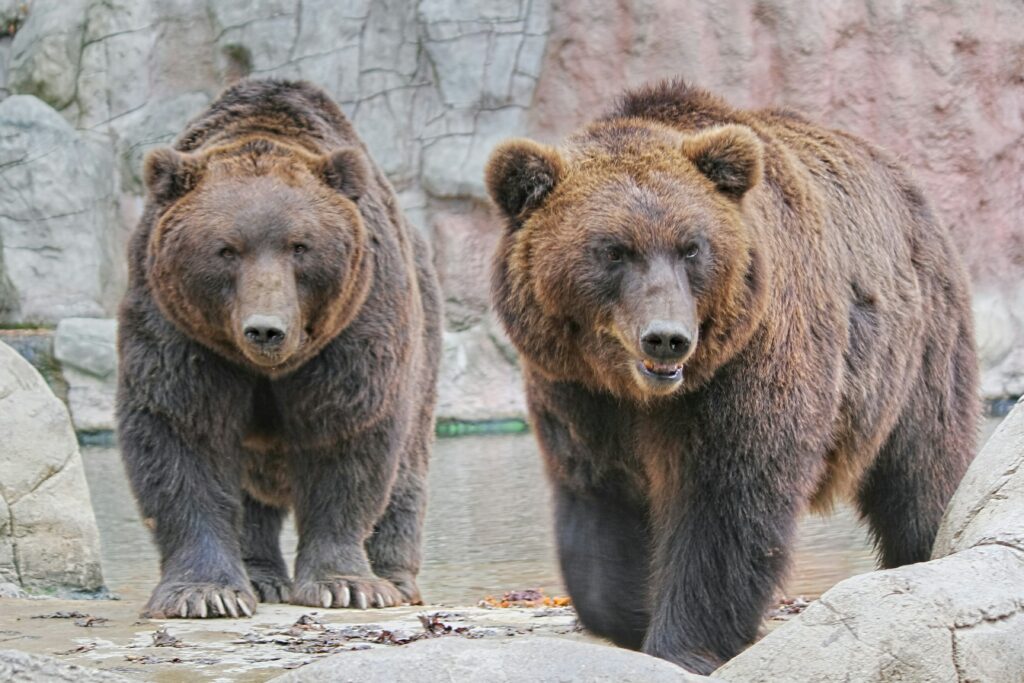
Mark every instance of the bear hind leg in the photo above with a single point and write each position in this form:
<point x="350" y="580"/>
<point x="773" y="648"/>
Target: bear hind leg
<point x="261" y="551"/>
<point x="394" y="547"/>
<point x="905" y="492"/>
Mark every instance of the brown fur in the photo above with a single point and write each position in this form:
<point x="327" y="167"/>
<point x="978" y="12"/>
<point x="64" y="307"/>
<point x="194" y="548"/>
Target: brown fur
<point x="831" y="353"/>
<point x="269" y="208"/>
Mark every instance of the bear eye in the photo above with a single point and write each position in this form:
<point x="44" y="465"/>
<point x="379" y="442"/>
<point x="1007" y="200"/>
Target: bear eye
<point x="690" y="251"/>
<point x="227" y="253"/>
<point x="299" y="249"/>
<point x="614" y="254"/>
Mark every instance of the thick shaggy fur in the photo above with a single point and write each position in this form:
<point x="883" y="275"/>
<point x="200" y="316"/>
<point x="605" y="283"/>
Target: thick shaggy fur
<point x="833" y="355"/>
<point x="269" y="199"/>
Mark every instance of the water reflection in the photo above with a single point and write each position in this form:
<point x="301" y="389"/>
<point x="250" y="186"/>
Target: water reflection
<point x="488" y="527"/>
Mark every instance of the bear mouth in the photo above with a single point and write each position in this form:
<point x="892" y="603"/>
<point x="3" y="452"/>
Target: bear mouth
<point x="659" y="372"/>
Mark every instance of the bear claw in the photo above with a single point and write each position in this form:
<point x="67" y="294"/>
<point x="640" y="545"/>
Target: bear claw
<point x="199" y="601"/>
<point x="341" y="592"/>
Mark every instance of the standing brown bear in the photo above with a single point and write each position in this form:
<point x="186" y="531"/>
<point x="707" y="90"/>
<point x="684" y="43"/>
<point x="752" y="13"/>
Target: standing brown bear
<point x="726" y="318"/>
<point x="278" y="343"/>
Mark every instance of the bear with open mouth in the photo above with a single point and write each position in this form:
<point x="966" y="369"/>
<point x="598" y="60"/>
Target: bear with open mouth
<point x="727" y="318"/>
<point x="279" y="344"/>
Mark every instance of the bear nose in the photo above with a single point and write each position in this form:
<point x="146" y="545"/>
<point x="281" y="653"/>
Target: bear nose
<point x="264" y="330"/>
<point x="665" y="341"/>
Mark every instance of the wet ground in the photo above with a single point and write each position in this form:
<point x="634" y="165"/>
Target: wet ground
<point x="488" y="531"/>
<point x="108" y="635"/>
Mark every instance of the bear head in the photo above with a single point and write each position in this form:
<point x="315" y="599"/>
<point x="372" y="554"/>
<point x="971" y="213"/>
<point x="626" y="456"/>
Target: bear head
<point x="259" y="252"/>
<point x="627" y="262"/>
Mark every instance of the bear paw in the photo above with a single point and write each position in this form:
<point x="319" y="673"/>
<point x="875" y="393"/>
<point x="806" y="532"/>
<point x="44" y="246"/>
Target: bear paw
<point x="358" y="592"/>
<point x="270" y="585"/>
<point x="199" y="601"/>
<point x="407" y="586"/>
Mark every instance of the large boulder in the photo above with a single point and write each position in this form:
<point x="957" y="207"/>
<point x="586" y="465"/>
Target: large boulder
<point x="959" y="617"/>
<point x="48" y="536"/>
<point x="509" y="660"/>
<point x="58" y="224"/>
<point x="988" y="508"/>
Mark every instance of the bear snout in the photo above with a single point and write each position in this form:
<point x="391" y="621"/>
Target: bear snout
<point x="265" y="331"/>
<point x="664" y="341"/>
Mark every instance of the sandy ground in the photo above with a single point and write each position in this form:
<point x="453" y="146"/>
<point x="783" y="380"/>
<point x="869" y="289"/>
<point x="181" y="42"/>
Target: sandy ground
<point x="108" y="634"/>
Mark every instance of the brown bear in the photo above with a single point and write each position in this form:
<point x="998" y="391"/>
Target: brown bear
<point x="278" y="343"/>
<point x="726" y="318"/>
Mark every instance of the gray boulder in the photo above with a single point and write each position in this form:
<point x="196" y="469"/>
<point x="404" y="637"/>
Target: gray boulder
<point x="988" y="508"/>
<point x="505" y="660"/>
<point x="87" y="351"/>
<point x="48" y="536"/>
<point x="61" y="246"/>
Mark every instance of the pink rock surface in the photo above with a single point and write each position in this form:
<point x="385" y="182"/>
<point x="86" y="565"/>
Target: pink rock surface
<point x="939" y="82"/>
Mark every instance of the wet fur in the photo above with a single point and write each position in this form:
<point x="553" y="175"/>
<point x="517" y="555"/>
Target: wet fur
<point x="218" y="451"/>
<point x="836" y="359"/>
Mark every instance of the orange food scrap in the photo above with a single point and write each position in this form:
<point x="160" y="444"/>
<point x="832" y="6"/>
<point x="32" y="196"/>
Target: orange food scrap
<point x="526" y="598"/>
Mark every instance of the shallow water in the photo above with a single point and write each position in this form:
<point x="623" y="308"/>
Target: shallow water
<point x="488" y="527"/>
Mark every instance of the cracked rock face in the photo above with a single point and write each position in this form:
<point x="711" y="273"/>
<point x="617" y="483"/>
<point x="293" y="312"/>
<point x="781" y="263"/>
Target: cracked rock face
<point x="48" y="535"/>
<point x="430" y="86"/>
<point x="57" y="192"/>
<point x="988" y="508"/>
<point x="954" y="619"/>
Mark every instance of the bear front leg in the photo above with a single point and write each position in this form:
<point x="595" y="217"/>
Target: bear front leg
<point x="338" y="497"/>
<point x="720" y="552"/>
<point x="725" y="500"/>
<point x="193" y="504"/>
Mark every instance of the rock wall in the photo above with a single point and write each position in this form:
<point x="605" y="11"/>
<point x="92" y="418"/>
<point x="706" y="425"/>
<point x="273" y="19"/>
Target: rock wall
<point x="48" y="535"/>
<point x="62" y="242"/>
<point x="433" y="85"/>
<point x="940" y="82"/>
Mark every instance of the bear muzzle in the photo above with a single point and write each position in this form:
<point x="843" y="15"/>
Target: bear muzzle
<point x="268" y="340"/>
<point x="665" y="346"/>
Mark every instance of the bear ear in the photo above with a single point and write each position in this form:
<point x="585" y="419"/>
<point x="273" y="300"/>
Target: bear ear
<point x="170" y="174"/>
<point x="731" y="156"/>
<point x="346" y="171"/>
<point x="519" y="175"/>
